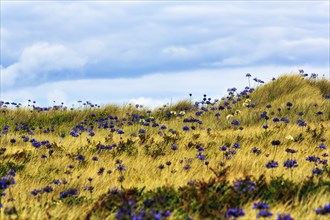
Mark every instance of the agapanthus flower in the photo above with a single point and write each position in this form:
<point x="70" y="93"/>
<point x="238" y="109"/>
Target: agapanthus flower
<point x="56" y="182"/>
<point x="244" y="185"/>
<point x="80" y="157"/>
<point x="223" y="148"/>
<point x="235" y="212"/>
<point x="186" y="167"/>
<point x="260" y="205"/>
<point x="276" y="142"/>
<point x="114" y="191"/>
<point x="68" y="193"/>
<point x="236" y="145"/>
<point x="13" y="140"/>
<point x="35" y="192"/>
<point x="174" y="147"/>
<point x="322" y="146"/>
<point x="200" y="156"/>
<point x="47" y="189"/>
<point x="235" y="122"/>
<point x="291" y="151"/>
<point x="11" y="173"/>
<point x="323" y="210"/>
<point x="276" y="120"/>
<point x="185" y="128"/>
<point x="272" y="164"/>
<point x="284" y="217"/>
<point x="264" y="213"/>
<point x="301" y="123"/>
<point x="312" y="158"/>
<point x="120" y="132"/>
<point x="289" y="104"/>
<point x="256" y="150"/>
<point x="290" y="164"/>
<point x="89" y="188"/>
<point x="94" y="158"/>
<point x="121" y="167"/>
<point x="317" y="171"/>
<point x="6" y="182"/>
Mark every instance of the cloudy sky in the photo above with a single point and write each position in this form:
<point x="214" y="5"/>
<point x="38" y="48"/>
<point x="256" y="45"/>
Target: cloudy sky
<point x="149" y="52"/>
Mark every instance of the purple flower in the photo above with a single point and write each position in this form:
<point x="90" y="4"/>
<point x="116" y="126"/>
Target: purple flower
<point x="174" y="147"/>
<point x="80" y="157"/>
<point x="260" y="205"/>
<point x="235" y="122"/>
<point x="284" y="217"/>
<point x="264" y="213"/>
<point x="301" y="123"/>
<point x="185" y="128"/>
<point x="317" y="171"/>
<point x="68" y="193"/>
<point x="223" y="148"/>
<point x="244" y="185"/>
<point x="236" y="145"/>
<point x="272" y="164"/>
<point x="322" y="146"/>
<point x="235" y="212"/>
<point x="121" y="167"/>
<point x="290" y="164"/>
<point x="256" y="150"/>
<point x="312" y="158"/>
<point x="323" y="211"/>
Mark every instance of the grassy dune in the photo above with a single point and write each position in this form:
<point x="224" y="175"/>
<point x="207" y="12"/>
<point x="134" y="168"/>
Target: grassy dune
<point x="177" y="171"/>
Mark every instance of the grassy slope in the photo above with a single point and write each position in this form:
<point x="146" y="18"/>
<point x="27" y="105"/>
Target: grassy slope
<point x="143" y="157"/>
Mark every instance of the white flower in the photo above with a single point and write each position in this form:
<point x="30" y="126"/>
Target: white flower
<point x="289" y="137"/>
<point x="229" y="116"/>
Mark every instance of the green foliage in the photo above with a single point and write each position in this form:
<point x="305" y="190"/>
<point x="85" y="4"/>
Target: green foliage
<point x="5" y="167"/>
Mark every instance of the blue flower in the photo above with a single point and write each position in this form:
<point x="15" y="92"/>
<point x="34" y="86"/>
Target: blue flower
<point x="142" y="131"/>
<point x="323" y="211"/>
<point x="223" y="148"/>
<point x="235" y="212"/>
<point x="301" y="123"/>
<point x="264" y="213"/>
<point x="47" y="189"/>
<point x="185" y="128"/>
<point x="317" y="171"/>
<point x="272" y="164"/>
<point x="290" y="164"/>
<point x="260" y="205"/>
<point x="68" y="193"/>
<point x="312" y="158"/>
<point x="174" y="147"/>
<point x="244" y="185"/>
<point x="235" y="122"/>
<point x="11" y="173"/>
<point x="121" y="167"/>
<point x="236" y="145"/>
<point x="322" y="146"/>
<point x="80" y="157"/>
<point x="256" y="150"/>
<point x="284" y="217"/>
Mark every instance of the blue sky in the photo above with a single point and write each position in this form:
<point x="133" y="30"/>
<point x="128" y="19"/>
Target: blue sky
<point x="149" y="52"/>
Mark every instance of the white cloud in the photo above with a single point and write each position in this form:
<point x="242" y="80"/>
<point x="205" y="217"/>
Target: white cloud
<point x="144" y="37"/>
<point x="40" y="59"/>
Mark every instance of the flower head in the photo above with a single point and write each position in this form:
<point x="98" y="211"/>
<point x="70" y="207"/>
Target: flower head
<point x="235" y="212"/>
<point x="290" y="164"/>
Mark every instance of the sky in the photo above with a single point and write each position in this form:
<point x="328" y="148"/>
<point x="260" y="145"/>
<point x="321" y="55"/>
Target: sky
<point x="152" y="52"/>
